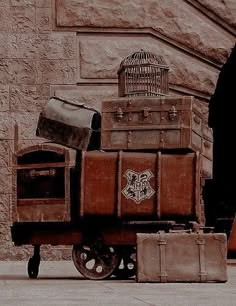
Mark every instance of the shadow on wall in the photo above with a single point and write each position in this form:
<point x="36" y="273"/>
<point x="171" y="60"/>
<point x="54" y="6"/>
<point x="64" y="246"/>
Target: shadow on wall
<point x="221" y="191"/>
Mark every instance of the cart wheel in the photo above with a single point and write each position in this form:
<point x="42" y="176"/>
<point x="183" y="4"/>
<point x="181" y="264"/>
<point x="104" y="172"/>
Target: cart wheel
<point x="127" y="266"/>
<point x="95" y="261"/>
<point x="33" y="268"/>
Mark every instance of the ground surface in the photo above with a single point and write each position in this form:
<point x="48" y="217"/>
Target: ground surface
<point x="60" y="284"/>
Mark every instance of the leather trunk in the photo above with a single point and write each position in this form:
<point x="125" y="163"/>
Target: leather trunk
<point x="42" y="176"/>
<point x="181" y="257"/>
<point x="147" y="186"/>
<point x="177" y="122"/>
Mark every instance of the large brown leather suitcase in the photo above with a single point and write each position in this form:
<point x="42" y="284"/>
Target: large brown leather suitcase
<point x="141" y="185"/>
<point x="176" y="122"/>
<point x="181" y="257"/>
<point x="42" y="182"/>
<point x="73" y="125"/>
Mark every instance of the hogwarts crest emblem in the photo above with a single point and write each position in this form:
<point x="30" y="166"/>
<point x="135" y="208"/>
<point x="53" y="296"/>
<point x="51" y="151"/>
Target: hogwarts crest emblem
<point x="138" y="187"/>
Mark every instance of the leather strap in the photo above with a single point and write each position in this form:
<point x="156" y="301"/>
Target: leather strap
<point x="202" y="258"/>
<point x="162" y="255"/>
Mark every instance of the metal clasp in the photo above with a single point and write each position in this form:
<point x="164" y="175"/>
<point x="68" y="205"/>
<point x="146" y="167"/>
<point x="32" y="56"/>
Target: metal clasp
<point x="119" y="114"/>
<point x="49" y="172"/>
<point x="146" y="111"/>
<point x="172" y="113"/>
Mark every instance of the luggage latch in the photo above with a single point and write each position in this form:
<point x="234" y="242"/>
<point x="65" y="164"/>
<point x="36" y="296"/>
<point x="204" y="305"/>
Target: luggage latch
<point x="35" y="173"/>
<point x="172" y="113"/>
<point x="146" y="111"/>
<point x="145" y="116"/>
<point x="119" y="114"/>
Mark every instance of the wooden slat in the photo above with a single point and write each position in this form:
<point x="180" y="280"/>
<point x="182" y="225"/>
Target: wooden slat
<point x="119" y="184"/>
<point x="143" y="128"/>
<point x="158" y="184"/>
<point x="41" y="201"/>
<point x="42" y="165"/>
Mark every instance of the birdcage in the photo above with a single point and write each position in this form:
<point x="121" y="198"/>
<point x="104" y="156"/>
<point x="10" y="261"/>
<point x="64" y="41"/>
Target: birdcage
<point x="143" y="74"/>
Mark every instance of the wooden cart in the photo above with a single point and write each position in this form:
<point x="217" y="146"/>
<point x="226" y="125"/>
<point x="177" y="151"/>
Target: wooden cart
<point x="63" y="197"/>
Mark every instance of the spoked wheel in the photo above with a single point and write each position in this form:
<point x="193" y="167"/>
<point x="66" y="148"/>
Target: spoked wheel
<point x="127" y="266"/>
<point x="95" y="261"/>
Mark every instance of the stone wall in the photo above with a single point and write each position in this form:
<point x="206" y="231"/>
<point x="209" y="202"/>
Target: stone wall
<point x="72" y="48"/>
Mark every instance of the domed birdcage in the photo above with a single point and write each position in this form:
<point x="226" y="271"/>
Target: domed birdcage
<point x="143" y="74"/>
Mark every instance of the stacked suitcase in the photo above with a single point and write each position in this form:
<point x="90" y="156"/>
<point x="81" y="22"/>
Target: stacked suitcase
<point x="174" y="128"/>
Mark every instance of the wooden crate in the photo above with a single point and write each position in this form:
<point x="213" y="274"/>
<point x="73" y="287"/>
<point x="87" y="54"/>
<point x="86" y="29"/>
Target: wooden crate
<point x="41" y="183"/>
<point x="152" y="186"/>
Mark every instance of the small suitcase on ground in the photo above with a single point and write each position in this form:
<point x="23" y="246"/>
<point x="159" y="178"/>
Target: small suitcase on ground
<point x="181" y="257"/>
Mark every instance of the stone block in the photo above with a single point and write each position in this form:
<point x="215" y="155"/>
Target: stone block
<point x="5" y="180"/>
<point x="43" y="20"/>
<point x="57" y="46"/>
<point x="56" y="72"/>
<point x="3" y="45"/>
<point x="22" y="3"/>
<point x="27" y="123"/>
<point x="4" y="208"/>
<point x="175" y="20"/>
<point x="43" y="3"/>
<point x="42" y="46"/>
<point x="23" y="46"/>
<point x="100" y="59"/>
<point x="25" y="143"/>
<point x="4" y="3"/>
<point x="4" y="231"/>
<point x="26" y="98"/>
<point x="5" y="153"/>
<point x="22" y="71"/>
<point x="17" y="19"/>
<point x="17" y="71"/>
<point x="225" y="9"/>
<point x="6" y="127"/>
<point x="90" y="95"/>
<point x="4" y="98"/>
<point x="4" y="72"/>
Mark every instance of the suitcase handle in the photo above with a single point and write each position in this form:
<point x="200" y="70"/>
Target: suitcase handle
<point x="35" y="173"/>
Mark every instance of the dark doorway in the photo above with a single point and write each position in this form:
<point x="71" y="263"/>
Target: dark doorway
<point x="220" y="192"/>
